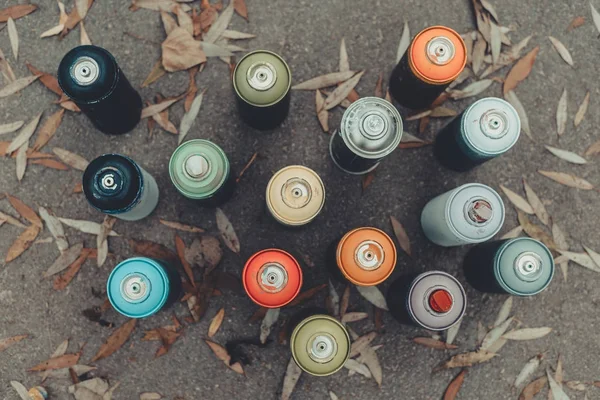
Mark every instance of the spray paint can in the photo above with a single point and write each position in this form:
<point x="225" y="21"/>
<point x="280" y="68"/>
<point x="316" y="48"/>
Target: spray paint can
<point x="371" y="129"/>
<point x="90" y="76"/>
<point x="435" y="57"/>
<point x="471" y="213"/>
<point x="272" y="278"/>
<point x="200" y="170"/>
<point x="117" y="185"/>
<point x="485" y="130"/>
<point x="320" y="345"/>
<point x="262" y="82"/>
<point x="295" y="195"/>
<point x="433" y="300"/>
<point x="364" y="256"/>
<point x="520" y="266"/>
<point x="140" y="287"/>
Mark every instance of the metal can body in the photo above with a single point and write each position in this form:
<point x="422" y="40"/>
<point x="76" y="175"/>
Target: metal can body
<point x="485" y="130"/>
<point x="371" y="129"/>
<point x="272" y="278"/>
<point x="320" y="345"/>
<point x="295" y="195"/>
<point x="90" y="76"/>
<point x="433" y="300"/>
<point x="520" y="266"/>
<point x="471" y="213"/>
<point x="262" y="82"/>
<point x="114" y="184"/>
<point x="140" y="287"/>
<point x="200" y="171"/>
<point x="436" y="56"/>
<point x="364" y="256"/>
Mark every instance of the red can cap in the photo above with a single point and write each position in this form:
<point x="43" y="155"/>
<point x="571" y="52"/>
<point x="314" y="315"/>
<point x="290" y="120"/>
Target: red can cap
<point x="272" y="278"/>
<point x="441" y="301"/>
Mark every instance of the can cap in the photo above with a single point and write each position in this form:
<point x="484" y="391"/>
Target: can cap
<point x="262" y="78"/>
<point x="87" y="74"/>
<point x="320" y="345"/>
<point x="138" y="287"/>
<point x="198" y="168"/>
<point x="272" y="278"/>
<point x="436" y="300"/>
<point x="437" y="55"/>
<point x="524" y="266"/>
<point x="371" y="127"/>
<point x="491" y="126"/>
<point x="295" y="195"/>
<point x="112" y="183"/>
<point x="475" y="212"/>
<point x="366" y="256"/>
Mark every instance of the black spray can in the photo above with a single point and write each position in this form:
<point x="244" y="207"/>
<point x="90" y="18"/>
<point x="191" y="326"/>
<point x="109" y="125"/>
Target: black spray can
<point x="90" y="76"/>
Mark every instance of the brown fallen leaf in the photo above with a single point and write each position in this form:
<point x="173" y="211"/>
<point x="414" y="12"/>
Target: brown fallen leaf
<point x="205" y="252"/>
<point x="157" y="5"/>
<point x="180" y="246"/>
<point x="379" y="86"/>
<point x="227" y="231"/>
<point x="292" y="375"/>
<point x="47" y="80"/>
<point x="567" y="180"/>
<point x="24" y="210"/>
<point x="566" y="155"/>
<point x="517" y="200"/>
<point x="361" y="343"/>
<point x="84" y="39"/>
<point x="367" y="179"/>
<point x="216" y="322"/>
<point x="404" y="42"/>
<point x="192" y="89"/>
<point x="472" y="89"/>
<point x="184" y="20"/>
<point x="150" y="396"/>
<point x="345" y="301"/>
<point x="562" y="50"/>
<point x="401" y="235"/>
<point x="582" y="110"/>
<point x="13" y="36"/>
<point x="536" y="204"/>
<point x="188" y="119"/>
<point x="153" y="250"/>
<point x="71" y="159"/>
<point x="181" y="227"/>
<point x="373" y="295"/>
<point x="533" y="388"/>
<point x="324" y="81"/>
<point x="561" y="113"/>
<point x="181" y="51"/>
<point x="64" y="260"/>
<point x="155" y="74"/>
<point x="220" y="25"/>
<point x="21" y="160"/>
<point x="593" y="149"/>
<point x="535" y="231"/>
<point x="322" y="113"/>
<point x="455" y="385"/>
<point x="102" y="239"/>
<point x="354" y="316"/>
<point x="224" y="356"/>
<point x="434" y="344"/>
<point x="69" y="105"/>
<point x="16" y="11"/>
<point x="467" y="359"/>
<point x="576" y="23"/>
<point x="271" y="317"/>
<point x="307" y="295"/>
<point x="10" y="341"/>
<point x="520" y="70"/>
<point x="512" y="98"/>
<point x="527" y="333"/>
<point x="10" y="127"/>
<point x="17" y="85"/>
<point x="48" y="129"/>
<point x="342" y="91"/>
<point x="64" y="361"/>
<point x="240" y="8"/>
<point x="246" y="167"/>
<point x="24" y="135"/>
<point x="22" y="243"/>
<point x="62" y="281"/>
<point x="409" y="141"/>
<point x="344" y="64"/>
<point x="115" y="340"/>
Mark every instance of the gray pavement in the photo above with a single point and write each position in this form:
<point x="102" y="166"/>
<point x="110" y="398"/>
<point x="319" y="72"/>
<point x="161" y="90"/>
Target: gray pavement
<point x="307" y="34"/>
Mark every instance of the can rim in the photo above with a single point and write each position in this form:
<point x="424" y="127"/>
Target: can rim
<point x="498" y="276"/>
<point x="310" y="319"/>
<point x="285" y="93"/>
<point x="451" y="223"/>
<point x="333" y="135"/>
<point x="468" y="140"/>
<point x="159" y="268"/>
<point x="274" y="212"/>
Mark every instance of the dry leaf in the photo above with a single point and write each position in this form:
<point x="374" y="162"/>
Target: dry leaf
<point x="168" y="22"/>
<point x="227" y="232"/>
<point x="64" y="260"/>
<point x="367" y="179"/>
<point x="535" y="231"/>
<point x="361" y="343"/>
<point x="434" y="344"/>
<point x="354" y="316"/>
<point x="181" y="227"/>
<point x="307" y="295"/>
<point x="373" y="295"/>
<point x="215" y="50"/>
<point x="50" y="163"/>
<point x="322" y="113"/>
<point x="187" y="121"/>
<point x="19" y="84"/>
<point x="216" y="322"/>
<point x="409" y="141"/>
<point x="10" y="127"/>
<point x="567" y="179"/>
<point x="538" y="206"/>
<point x="235" y="35"/>
<point x="48" y="129"/>
<point x="102" y="239"/>
<point x="419" y="115"/>
<point x="473" y="89"/>
<point x="358" y="367"/>
<point x="21" y="390"/>
<point x="222" y="355"/>
<point x="442" y="112"/>
<point x="527" y="333"/>
<point x="496" y="333"/>
<point x="61" y="282"/>
<point x="159" y="107"/>
<point x="267" y="323"/>
<point x="557" y="392"/>
<point x="115" y="340"/>
<point x="562" y="50"/>
<point x="10" y="341"/>
<point x="153" y="250"/>
<point x="504" y="311"/>
<point x="55" y="228"/>
<point x="16" y="11"/>
<point x="21" y="160"/>
<point x="582" y="110"/>
<point x="24" y="135"/>
<point x="11" y="220"/>
<point x="158" y="5"/>
<point x="63" y="361"/>
<point x="520" y="70"/>
<point x="370" y="359"/>
<point x="455" y="385"/>
<point x="155" y="74"/>
<point x="84" y="39"/>
<point x="401" y="235"/>
<point x="478" y="53"/>
<point x="344" y="65"/>
<point x="71" y="159"/>
<point x="342" y="91"/>
<point x="467" y="359"/>
<point x="593" y="255"/>
<point x="561" y="113"/>
<point x="90" y="227"/>
<point x="324" y="81"/>
<point x="180" y="247"/>
<point x="185" y="21"/>
<point x="533" y="388"/>
<point x="593" y="149"/>
<point x="528" y="370"/>
<point x="517" y="200"/>
<point x="240" y="8"/>
<point x="576" y="385"/>
<point x="512" y="98"/>
<point x="496" y="42"/>
<point x="150" y="396"/>
<point x="452" y="332"/>
<point x="595" y="16"/>
<point x="292" y="375"/>
<point x="576" y="23"/>
<point x="404" y="42"/>
<point x="219" y="26"/>
<point x="566" y="155"/>
<point x="22" y="243"/>
<point x="582" y="259"/>
<point x="13" y="35"/>
<point x="181" y="51"/>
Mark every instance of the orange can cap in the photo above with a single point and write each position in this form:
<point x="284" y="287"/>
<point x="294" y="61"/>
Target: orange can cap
<point x="441" y="301"/>
<point x="272" y="278"/>
<point x="437" y="55"/>
<point x="366" y="256"/>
